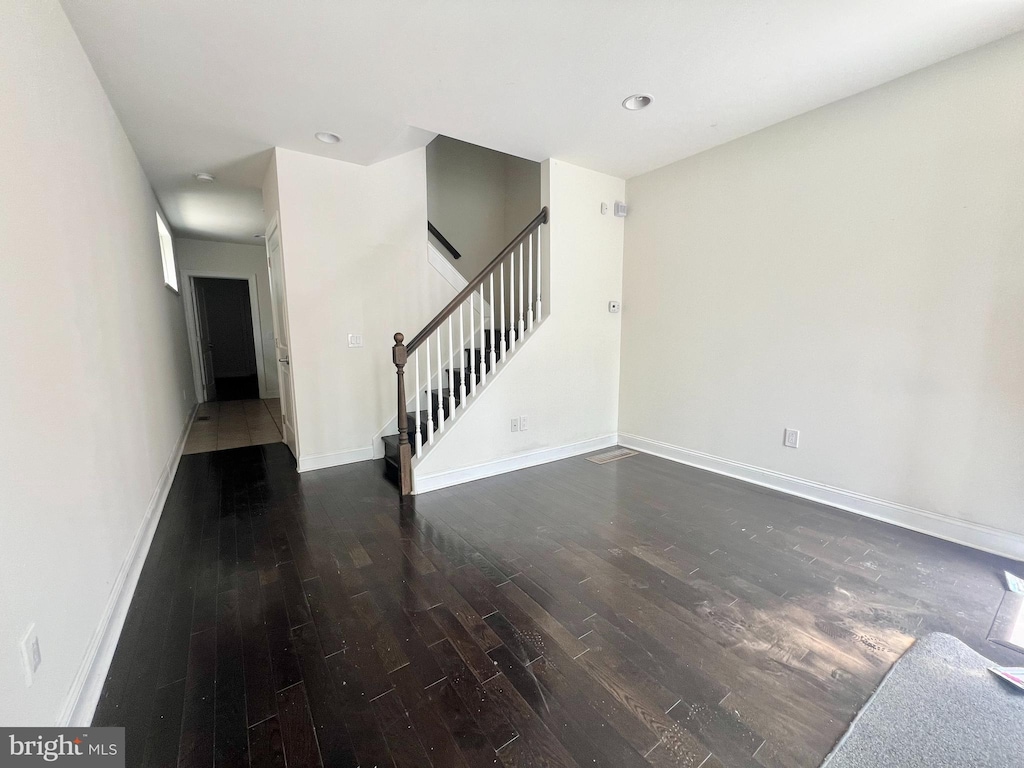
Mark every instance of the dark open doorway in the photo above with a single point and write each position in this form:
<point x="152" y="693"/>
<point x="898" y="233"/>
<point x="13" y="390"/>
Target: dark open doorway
<point x="224" y="314"/>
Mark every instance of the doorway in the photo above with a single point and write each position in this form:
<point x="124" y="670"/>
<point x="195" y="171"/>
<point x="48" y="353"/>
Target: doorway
<point x="224" y="326"/>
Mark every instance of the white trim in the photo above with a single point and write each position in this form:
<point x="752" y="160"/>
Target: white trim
<point x="193" y="332"/>
<point x="80" y="703"/>
<point x="963" y="532"/>
<point x="289" y="409"/>
<point x="448" y="271"/>
<point x="428" y="483"/>
<point x="324" y="460"/>
<point x="445" y="268"/>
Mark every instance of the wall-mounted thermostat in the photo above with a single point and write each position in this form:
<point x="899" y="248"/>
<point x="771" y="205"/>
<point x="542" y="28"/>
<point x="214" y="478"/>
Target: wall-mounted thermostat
<point x="614" y="307"/>
<point x="620" y="209"/>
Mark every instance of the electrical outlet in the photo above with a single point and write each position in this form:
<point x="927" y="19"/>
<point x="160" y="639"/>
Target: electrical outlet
<point x="522" y="423"/>
<point x="31" y="656"/>
<point x="791" y="438"/>
<point x="515" y="425"/>
<point x="355" y="339"/>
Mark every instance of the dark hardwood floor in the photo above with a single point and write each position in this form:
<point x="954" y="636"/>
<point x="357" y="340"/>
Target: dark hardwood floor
<point x="631" y="614"/>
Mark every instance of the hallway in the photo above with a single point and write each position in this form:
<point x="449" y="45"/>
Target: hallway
<point x="635" y="613"/>
<point x="220" y="425"/>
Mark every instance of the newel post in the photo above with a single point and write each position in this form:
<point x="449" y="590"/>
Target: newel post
<point x="400" y="356"/>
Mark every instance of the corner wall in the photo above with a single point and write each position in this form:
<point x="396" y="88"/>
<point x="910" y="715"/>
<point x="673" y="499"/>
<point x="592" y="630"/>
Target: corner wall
<point x="565" y="378"/>
<point x="854" y="273"/>
<point x="479" y="199"/>
<point x="354" y="245"/>
<point x="98" y="384"/>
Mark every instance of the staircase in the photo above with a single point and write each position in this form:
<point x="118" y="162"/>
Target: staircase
<point x="474" y="331"/>
<point x="476" y="365"/>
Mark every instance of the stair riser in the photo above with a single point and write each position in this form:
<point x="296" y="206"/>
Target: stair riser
<point x="392" y="473"/>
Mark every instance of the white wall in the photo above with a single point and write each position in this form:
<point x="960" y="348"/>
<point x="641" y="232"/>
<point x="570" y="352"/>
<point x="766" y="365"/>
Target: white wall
<point x="98" y="383"/>
<point x="522" y="196"/>
<point x="243" y="261"/>
<point x="855" y="273"/>
<point x="354" y="249"/>
<point x="479" y="199"/>
<point x="564" y="379"/>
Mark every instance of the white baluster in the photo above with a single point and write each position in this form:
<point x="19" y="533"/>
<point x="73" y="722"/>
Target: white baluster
<point x="529" y="287"/>
<point x="522" y="325"/>
<point x="430" y="404"/>
<point x="440" y="385"/>
<point x="462" y="354"/>
<point x="511" y="332"/>
<point x="501" y="331"/>
<point x="419" y="431"/>
<point x="494" y="341"/>
<point x="482" y="365"/>
<point x="451" y="368"/>
<point x="472" y="363"/>
<point x="539" y="314"/>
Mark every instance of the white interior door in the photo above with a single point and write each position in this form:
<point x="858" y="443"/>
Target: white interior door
<point x="284" y="368"/>
<point x="205" y="345"/>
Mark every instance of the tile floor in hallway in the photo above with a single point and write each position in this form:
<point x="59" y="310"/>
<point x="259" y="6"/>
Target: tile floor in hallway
<point x="234" y="424"/>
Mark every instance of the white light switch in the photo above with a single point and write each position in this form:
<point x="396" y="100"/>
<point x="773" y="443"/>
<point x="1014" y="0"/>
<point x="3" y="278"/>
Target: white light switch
<point x="791" y="438"/>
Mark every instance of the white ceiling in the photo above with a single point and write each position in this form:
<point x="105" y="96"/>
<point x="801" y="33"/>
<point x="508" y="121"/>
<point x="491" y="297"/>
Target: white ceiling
<point x="204" y="85"/>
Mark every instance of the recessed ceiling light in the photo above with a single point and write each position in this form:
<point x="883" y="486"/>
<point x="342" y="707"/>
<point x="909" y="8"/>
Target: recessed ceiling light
<point x="258" y="236"/>
<point x="638" y="101"/>
<point x="206" y="178"/>
<point x="327" y="137"/>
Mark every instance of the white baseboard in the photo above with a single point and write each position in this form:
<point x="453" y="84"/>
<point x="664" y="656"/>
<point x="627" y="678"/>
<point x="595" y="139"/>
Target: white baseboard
<point x="80" y="703"/>
<point x="963" y="532"/>
<point x="427" y="483"/>
<point x="325" y="460"/>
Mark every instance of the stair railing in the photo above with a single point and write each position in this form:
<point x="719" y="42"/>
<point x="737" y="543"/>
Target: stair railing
<point x="518" y="271"/>
<point x="443" y="241"/>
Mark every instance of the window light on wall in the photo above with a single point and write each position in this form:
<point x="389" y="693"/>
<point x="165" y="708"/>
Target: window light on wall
<point x="167" y="254"/>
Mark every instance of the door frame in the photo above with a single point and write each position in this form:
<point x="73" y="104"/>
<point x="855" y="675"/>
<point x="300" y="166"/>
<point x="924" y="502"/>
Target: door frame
<point x="282" y="322"/>
<point x="193" y="331"/>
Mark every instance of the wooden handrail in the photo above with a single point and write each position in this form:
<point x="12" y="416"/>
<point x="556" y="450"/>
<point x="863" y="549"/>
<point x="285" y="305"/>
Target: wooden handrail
<point x="443" y="240"/>
<point x="433" y="325"/>
<point x="502" y="338"/>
